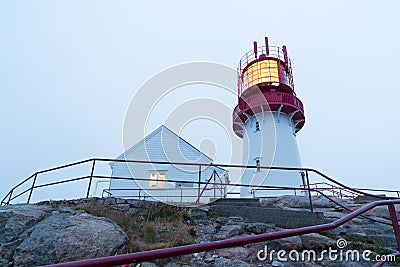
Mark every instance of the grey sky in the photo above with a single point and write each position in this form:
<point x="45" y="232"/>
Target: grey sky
<point x="68" y="70"/>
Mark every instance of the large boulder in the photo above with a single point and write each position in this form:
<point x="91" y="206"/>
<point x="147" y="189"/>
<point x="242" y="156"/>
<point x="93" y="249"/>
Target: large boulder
<point x="317" y="242"/>
<point x="69" y="235"/>
<point x="258" y="228"/>
<point x="234" y="253"/>
<point x="14" y="221"/>
<point x="383" y="212"/>
<point x="223" y="262"/>
<point x="229" y="230"/>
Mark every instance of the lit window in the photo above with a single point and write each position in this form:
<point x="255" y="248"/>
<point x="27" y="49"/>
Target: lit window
<point x="157" y="179"/>
<point x="153" y="179"/>
<point x="161" y="179"/>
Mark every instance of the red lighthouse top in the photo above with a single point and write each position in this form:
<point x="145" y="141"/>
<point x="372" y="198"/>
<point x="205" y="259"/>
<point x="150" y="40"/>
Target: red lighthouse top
<point x="265" y="66"/>
<point x="265" y="83"/>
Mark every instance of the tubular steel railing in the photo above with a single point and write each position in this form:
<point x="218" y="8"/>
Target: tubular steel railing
<point x="35" y="177"/>
<point x="212" y="180"/>
<point x="335" y="190"/>
<point x="338" y="191"/>
<point x="239" y="241"/>
<point x="214" y="176"/>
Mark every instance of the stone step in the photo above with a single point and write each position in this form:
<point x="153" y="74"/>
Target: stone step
<point x="280" y="217"/>
<point x="366" y="199"/>
<point x="236" y="201"/>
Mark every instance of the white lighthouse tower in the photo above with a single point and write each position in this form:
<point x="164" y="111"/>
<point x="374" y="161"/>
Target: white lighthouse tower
<point x="267" y="117"/>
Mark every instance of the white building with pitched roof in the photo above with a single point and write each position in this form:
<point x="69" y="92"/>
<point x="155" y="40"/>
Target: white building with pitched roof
<point x="166" y="182"/>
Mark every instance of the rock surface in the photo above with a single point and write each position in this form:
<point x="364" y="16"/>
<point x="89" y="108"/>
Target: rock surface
<point x="53" y="232"/>
<point x="302" y="202"/>
<point x="69" y="235"/>
<point x="14" y="221"/>
<point x="34" y="235"/>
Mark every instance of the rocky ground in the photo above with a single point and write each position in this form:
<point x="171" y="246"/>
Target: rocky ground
<point x="59" y="231"/>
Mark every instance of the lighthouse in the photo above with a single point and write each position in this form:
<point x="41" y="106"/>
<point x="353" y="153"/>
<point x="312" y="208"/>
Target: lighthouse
<point x="268" y="117"/>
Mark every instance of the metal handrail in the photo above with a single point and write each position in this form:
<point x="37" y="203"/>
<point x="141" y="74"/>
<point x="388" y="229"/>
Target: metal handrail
<point x="93" y="160"/>
<point x="361" y="189"/>
<point x="260" y="187"/>
<point x="144" y="196"/>
<point x="213" y="175"/>
<point x="239" y="241"/>
<point x="333" y="189"/>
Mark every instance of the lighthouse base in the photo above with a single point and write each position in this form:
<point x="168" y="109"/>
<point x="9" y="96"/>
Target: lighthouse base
<point x="269" y="140"/>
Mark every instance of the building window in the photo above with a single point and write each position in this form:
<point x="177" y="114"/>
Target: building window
<point x="161" y="179"/>
<point x="157" y="179"/>
<point x="153" y="179"/>
<point x="257" y="126"/>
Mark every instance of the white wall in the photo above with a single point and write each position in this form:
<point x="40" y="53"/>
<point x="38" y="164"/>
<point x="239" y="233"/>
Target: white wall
<point x="274" y="144"/>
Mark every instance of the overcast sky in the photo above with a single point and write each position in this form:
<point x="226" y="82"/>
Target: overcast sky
<point x="69" y="69"/>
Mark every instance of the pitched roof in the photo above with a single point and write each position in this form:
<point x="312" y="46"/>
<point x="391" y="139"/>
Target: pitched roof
<point x="156" y="131"/>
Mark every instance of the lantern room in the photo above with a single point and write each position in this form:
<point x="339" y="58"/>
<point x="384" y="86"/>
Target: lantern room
<point x="265" y="84"/>
<point x="265" y="67"/>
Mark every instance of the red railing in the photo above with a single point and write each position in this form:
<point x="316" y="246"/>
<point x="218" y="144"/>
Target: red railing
<point x="344" y="193"/>
<point x="270" y="101"/>
<point x="188" y="249"/>
<point x="218" y="189"/>
<point x="334" y="190"/>
<point x="143" y="194"/>
<point x="270" y="98"/>
<point x="214" y="176"/>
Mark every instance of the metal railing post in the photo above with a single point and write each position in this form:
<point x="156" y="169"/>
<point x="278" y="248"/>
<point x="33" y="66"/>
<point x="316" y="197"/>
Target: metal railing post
<point x="395" y="223"/>
<point x="9" y="199"/>
<point x="198" y="188"/>
<point x="33" y="186"/>
<point x="214" y="183"/>
<point x="309" y="192"/>
<point x="91" y="178"/>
